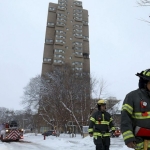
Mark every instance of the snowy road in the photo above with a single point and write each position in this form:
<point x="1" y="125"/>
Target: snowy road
<point x="116" y="143"/>
<point x="64" y="142"/>
<point x="23" y="146"/>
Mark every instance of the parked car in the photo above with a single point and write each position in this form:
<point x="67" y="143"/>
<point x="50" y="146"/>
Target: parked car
<point x="48" y="133"/>
<point x="117" y="132"/>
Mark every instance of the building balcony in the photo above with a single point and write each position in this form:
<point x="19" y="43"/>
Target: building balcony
<point x="60" y="37"/>
<point x="78" y="19"/>
<point x="65" y="1"/>
<point x="77" y="69"/>
<point x="61" y="8"/>
<point x="77" y="30"/>
<point x="52" y="9"/>
<point x="86" y="55"/>
<point x="78" y="48"/>
<point x="78" y="3"/>
<point x="51" y="24"/>
<point x="77" y="44"/>
<point x="86" y="38"/>
<point x="77" y="14"/>
<point x="62" y="4"/>
<point x="61" y="15"/>
<point x="58" y="62"/>
<point x="60" y="32"/>
<point x="59" y="56"/>
<point x="49" y="41"/>
<point x="47" y="60"/>
<point x="77" y="26"/>
<point x="60" y="24"/>
<point x="61" y="19"/>
<point x="77" y="64"/>
<point x="85" y="23"/>
<point x="78" y="35"/>
<point x="59" y="42"/>
<point x="78" y="10"/>
<point x="59" y="51"/>
<point x="78" y="54"/>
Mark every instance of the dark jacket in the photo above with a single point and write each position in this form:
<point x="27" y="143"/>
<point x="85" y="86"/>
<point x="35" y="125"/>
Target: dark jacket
<point x="134" y="114"/>
<point x="100" y="124"/>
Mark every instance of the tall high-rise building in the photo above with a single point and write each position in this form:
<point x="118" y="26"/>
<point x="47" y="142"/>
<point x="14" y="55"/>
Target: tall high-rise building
<point x="67" y="37"/>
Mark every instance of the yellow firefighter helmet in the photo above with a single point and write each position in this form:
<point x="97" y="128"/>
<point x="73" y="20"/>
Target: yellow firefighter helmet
<point x="101" y="102"/>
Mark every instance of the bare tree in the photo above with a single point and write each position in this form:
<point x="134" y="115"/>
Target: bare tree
<point x="60" y="91"/>
<point x="6" y="115"/>
<point x="99" y="88"/>
<point x="31" y="95"/>
<point x="115" y="113"/>
<point x="61" y="97"/>
<point x="144" y="3"/>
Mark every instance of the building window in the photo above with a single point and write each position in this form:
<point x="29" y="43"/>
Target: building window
<point x="61" y="19"/>
<point x="51" y="24"/>
<point x="79" y="53"/>
<point x="78" y="10"/>
<point x="86" y="38"/>
<point x="77" y="30"/>
<point x="78" y="43"/>
<point x="47" y="59"/>
<point x="60" y="37"/>
<point x="78" y="35"/>
<point x="85" y="55"/>
<point x="78" y="18"/>
<point x="77" y="15"/>
<point x="62" y="4"/>
<point x="77" y="48"/>
<point x="61" y="42"/>
<point x="49" y="41"/>
<point x="52" y="9"/>
<point x="77" y="63"/>
<point x="58" y="56"/>
<point x="78" y="3"/>
<point x="60" y="32"/>
<point x="61" y="15"/>
<point x="79" y="74"/>
<point x="78" y="26"/>
<point x="77" y="68"/>
<point x="85" y="23"/>
<point x="60" y="24"/>
<point x="61" y="8"/>
<point x="59" y="51"/>
<point x="58" y="61"/>
<point x="63" y="1"/>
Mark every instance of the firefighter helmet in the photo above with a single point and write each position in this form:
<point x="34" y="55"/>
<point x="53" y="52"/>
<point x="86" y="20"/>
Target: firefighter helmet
<point x="144" y="74"/>
<point x="101" y="102"/>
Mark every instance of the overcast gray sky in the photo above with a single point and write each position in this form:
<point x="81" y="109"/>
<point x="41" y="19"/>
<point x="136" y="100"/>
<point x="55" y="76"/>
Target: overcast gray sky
<point x="119" y="44"/>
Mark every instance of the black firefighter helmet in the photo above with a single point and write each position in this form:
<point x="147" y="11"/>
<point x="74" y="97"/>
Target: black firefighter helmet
<point x="144" y="78"/>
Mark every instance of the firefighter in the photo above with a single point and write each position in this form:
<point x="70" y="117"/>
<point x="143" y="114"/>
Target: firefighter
<point x="100" y="125"/>
<point x="136" y="114"/>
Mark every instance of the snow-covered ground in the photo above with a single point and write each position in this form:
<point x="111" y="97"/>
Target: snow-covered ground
<point x="64" y="142"/>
